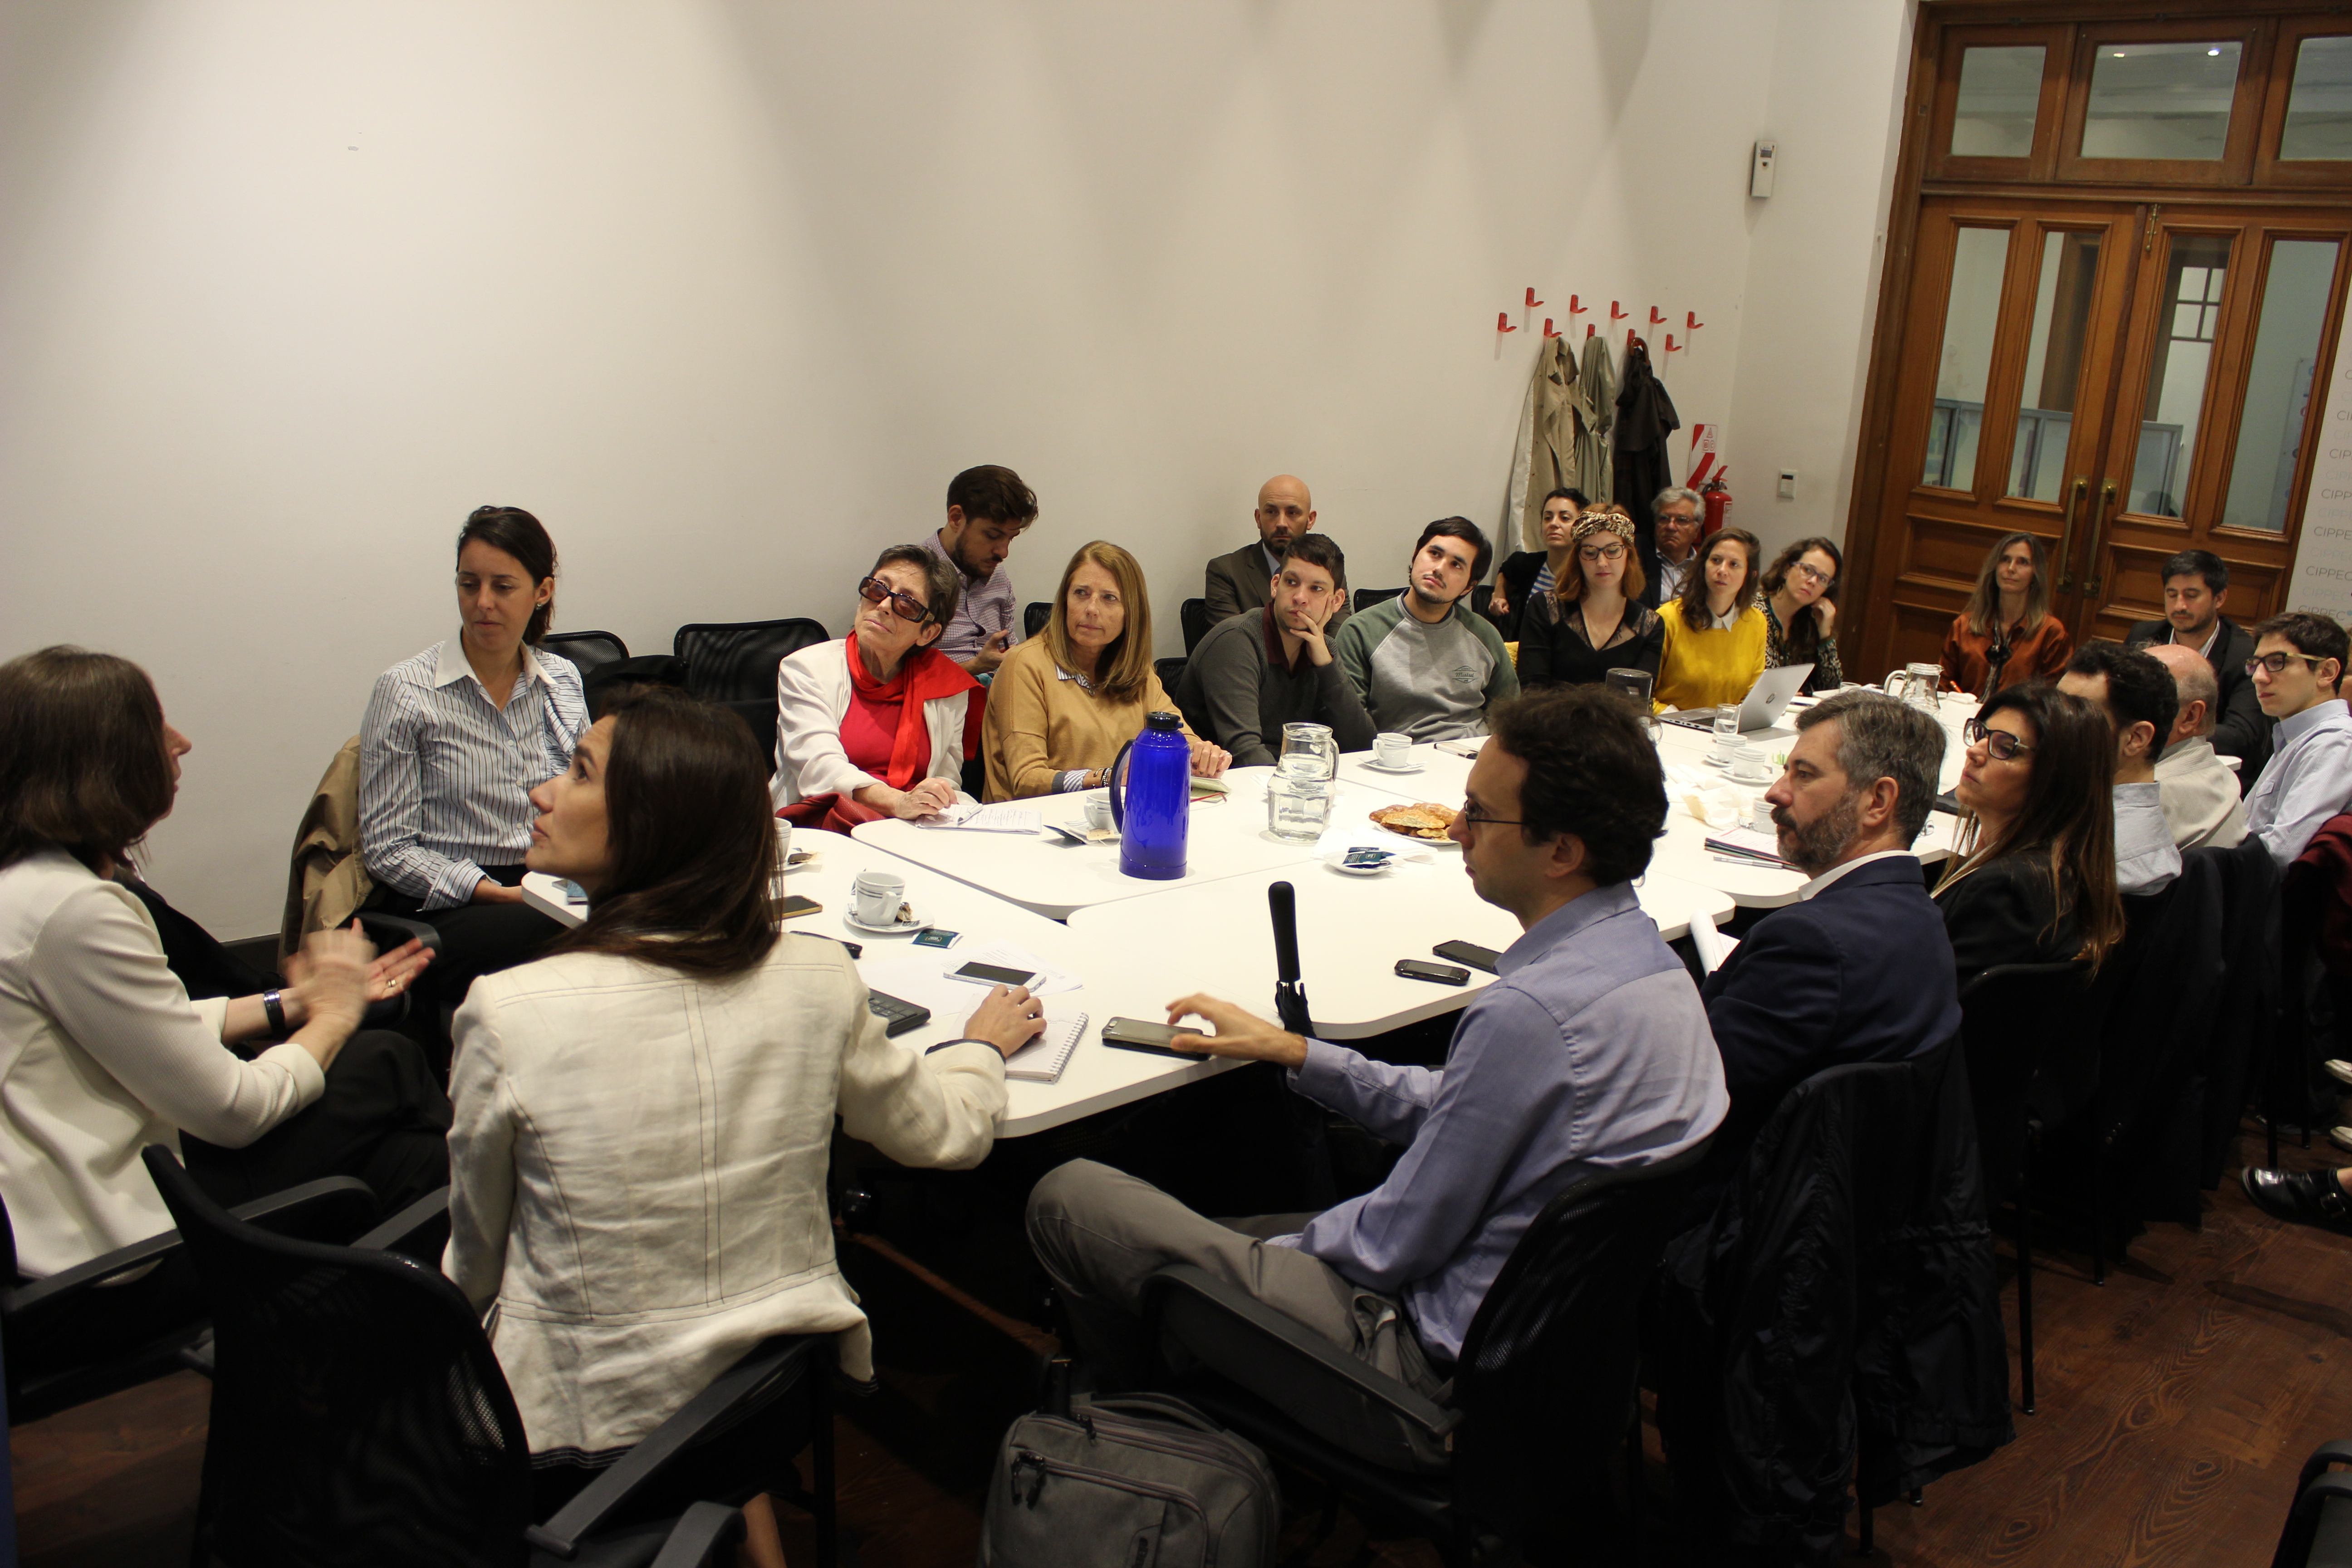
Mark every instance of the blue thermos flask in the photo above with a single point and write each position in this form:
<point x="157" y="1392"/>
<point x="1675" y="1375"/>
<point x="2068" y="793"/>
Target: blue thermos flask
<point x="1151" y="799"/>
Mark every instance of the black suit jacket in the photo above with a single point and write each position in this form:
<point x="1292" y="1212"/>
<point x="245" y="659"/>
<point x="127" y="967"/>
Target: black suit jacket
<point x="1861" y="972"/>
<point x="1240" y="582"/>
<point x="2240" y="729"/>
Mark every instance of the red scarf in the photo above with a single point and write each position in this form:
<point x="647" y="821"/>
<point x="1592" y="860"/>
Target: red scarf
<point x="924" y="677"/>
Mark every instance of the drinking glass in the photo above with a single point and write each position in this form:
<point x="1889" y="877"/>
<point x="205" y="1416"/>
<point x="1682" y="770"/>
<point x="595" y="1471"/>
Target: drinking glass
<point x="1727" y="729"/>
<point x="1298" y="809"/>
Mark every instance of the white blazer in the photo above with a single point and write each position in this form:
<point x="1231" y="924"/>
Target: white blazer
<point x="813" y="692"/>
<point x="102" y="1054"/>
<point x="637" y="1170"/>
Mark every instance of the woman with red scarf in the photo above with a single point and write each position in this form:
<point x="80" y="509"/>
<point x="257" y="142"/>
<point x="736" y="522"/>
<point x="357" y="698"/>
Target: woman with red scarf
<point x="879" y="723"/>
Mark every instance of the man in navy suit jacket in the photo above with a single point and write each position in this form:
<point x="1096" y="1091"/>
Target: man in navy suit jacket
<point x="1858" y="969"/>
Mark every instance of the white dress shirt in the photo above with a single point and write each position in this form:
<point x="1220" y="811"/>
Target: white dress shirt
<point x="2308" y="780"/>
<point x="2147" y="860"/>
<point x="2202" y="802"/>
<point x="102" y="1054"/>
<point x="446" y="774"/>
<point x="637" y="1170"/>
<point x="1670" y="577"/>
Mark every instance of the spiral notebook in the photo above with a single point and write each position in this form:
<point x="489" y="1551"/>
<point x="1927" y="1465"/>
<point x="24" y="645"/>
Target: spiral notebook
<point x="1043" y="1058"/>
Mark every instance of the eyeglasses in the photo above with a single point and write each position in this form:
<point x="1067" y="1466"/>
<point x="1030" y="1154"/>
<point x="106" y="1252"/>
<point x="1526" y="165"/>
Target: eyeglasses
<point x="1475" y="818"/>
<point x="1601" y="551"/>
<point x="2276" y="662"/>
<point x="1815" y="575"/>
<point x="1998" y="744"/>
<point x="873" y="590"/>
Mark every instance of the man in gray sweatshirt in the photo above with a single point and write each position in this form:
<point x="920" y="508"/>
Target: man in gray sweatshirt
<point x="1258" y="671"/>
<point x="1423" y="663"/>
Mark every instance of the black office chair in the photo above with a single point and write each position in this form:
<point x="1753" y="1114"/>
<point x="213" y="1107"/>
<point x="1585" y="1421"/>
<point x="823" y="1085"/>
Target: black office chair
<point x="359" y="1417"/>
<point x="1366" y="597"/>
<point x="42" y="1382"/>
<point x="586" y="650"/>
<point x="1171" y="674"/>
<point x="1517" y="1451"/>
<point x="2318" y="1529"/>
<point x="735" y="664"/>
<point x="2245" y="1025"/>
<point x="1193" y="615"/>
<point x="2014" y="1017"/>
<point x="1034" y="616"/>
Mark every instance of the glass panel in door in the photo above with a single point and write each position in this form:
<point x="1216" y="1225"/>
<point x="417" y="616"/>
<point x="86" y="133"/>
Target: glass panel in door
<point x="1971" y="312"/>
<point x="2161" y="100"/>
<point x="2000" y="93"/>
<point x="2287" y="346"/>
<point x="2188" y="314"/>
<point x="2319" y="105"/>
<point x="2063" y="290"/>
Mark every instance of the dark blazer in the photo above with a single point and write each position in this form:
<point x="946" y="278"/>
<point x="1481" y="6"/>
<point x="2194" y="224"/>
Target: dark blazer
<point x="2003" y="912"/>
<point x="1240" y="582"/>
<point x="2240" y="728"/>
<point x="1859" y="972"/>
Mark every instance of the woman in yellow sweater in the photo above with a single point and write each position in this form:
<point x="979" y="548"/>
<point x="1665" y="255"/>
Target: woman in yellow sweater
<point x="1714" y="634"/>
<point x="1064" y="702"/>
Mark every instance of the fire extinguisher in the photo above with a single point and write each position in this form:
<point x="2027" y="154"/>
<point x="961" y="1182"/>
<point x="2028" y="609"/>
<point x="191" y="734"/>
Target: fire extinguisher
<point x="1718" y="505"/>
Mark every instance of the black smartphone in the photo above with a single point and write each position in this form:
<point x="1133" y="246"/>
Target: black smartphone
<point x="1440" y="973"/>
<point x="995" y="974"/>
<point x="1468" y="952"/>
<point x="794" y="904"/>
<point x="1135" y="1034"/>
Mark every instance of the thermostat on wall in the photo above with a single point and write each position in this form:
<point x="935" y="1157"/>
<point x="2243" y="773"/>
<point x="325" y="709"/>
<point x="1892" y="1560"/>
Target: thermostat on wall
<point x="1759" y="172"/>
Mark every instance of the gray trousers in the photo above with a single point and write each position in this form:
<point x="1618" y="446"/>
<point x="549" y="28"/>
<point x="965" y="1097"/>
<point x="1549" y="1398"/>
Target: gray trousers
<point x="1100" y="1233"/>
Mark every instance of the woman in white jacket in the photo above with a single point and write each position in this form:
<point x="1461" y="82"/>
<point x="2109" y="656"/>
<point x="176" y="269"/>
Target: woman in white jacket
<point x="644" y="1113"/>
<point x="879" y="723"/>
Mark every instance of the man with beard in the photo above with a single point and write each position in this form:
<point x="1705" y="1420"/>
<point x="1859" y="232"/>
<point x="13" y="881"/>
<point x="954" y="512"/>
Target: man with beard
<point x="1423" y="663"/>
<point x="1858" y="969"/>
<point x="1261" y="670"/>
<point x="988" y="508"/>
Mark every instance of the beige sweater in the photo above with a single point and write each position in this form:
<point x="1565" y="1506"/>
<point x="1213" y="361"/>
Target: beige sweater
<point x="1042" y="723"/>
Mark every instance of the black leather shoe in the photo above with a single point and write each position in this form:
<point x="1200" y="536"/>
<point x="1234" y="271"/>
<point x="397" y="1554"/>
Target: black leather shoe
<point x="2307" y="1197"/>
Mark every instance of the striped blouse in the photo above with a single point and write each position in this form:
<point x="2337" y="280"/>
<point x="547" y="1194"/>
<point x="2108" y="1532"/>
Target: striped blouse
<point x="445" y="775"/>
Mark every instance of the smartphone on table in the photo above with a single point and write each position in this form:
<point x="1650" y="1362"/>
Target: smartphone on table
<point x="995" y="974"/>
<point x="1139" y="1035"/>
<point x="1439" y="974"/>
<point x="1468" y="952"/>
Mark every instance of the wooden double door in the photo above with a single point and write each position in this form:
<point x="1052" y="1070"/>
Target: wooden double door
<point x="2126" y="380"/>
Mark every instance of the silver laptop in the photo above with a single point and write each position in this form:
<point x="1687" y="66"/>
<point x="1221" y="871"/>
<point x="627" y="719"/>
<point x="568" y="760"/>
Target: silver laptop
<point x="1767" y="701"/>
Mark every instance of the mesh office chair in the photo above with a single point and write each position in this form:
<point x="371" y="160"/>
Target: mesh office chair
<point x="1193" y="616"/>
<point x="1034" y="616"/>
<point x="587" y="650"/>
<point x="359" y="1417"/>
<point x="734" y="663"/>
<point x="1366" y="598"/>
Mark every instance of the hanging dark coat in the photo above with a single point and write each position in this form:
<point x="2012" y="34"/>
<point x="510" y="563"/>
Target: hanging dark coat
<point x="1641" y="464"/>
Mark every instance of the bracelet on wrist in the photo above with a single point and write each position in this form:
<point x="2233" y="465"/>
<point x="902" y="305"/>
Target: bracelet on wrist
<point x="274" y="1006"/>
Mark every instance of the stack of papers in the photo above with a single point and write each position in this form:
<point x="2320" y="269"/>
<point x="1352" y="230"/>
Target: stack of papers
<point x="973" y="817"/>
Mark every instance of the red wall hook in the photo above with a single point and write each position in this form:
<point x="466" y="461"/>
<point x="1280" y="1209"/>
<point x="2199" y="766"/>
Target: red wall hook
<point x="1503" y="322"/>
<point x="1548" y="328"/>
<point x="1532" y="300"/>
<point x="1615" y="313"/>
<point x="1575" y="309"/>
<point x="1655" y="319"/>
<point x="1691" y="321"/>
<point x="1670" y="344"/>
<point x="1590" y="330"/>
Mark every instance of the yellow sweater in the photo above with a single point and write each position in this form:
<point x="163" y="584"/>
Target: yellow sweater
<point x="1706" y="669"/>
<point x="1040" y="725"/>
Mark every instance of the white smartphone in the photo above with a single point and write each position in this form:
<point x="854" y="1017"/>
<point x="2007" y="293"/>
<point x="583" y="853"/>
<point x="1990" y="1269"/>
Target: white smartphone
<point x="995" y="974"/>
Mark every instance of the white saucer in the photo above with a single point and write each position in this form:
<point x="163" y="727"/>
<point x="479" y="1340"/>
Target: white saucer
<point x="1764" y="777"/>
<point x="1379" y="767"/>
<point x="1340" y="863"/>
<point x="901" y="928"/>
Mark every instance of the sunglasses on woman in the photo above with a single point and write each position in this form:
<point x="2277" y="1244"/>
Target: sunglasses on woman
<point x="1998" y="744"/>
<point x="873" y="590"/>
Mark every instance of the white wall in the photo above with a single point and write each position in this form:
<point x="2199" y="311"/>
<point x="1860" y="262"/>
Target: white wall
<point x="725" y="292"/>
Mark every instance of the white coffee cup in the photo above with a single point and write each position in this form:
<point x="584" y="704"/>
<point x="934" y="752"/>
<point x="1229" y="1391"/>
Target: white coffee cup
<point x="1097" y="812"/>
<point x="1748" y="765"/>
<point x="875" y="898"/>
<point x="1761" y="820"/>
<point x="1391" y="750"/>
<point x="783" y="857"/>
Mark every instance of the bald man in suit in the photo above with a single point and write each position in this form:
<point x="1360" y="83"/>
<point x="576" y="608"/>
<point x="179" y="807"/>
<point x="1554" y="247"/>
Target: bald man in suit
<point x="1245" y="579"/>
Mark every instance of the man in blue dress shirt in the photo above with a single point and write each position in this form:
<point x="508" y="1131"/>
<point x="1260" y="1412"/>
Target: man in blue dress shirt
<point x="1590" y="1052"/>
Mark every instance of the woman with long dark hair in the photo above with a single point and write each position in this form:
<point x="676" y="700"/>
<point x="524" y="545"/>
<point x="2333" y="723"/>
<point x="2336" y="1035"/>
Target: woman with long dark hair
<point x="2033" y="878"/>
<point x="645" y="1113"/>
<point x="1592" y="621"/>
<point x="1712" y="648"/>
<point x="452" y="742"/>
<point x="2005" y="633"/>
<point x="103" y="1052"/>
<point x="1800" y="604"/>
<point x="1528" y="575"/>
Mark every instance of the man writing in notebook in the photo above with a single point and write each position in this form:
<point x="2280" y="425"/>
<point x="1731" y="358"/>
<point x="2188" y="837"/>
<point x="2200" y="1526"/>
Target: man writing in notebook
<point x="1589" y="1052"/>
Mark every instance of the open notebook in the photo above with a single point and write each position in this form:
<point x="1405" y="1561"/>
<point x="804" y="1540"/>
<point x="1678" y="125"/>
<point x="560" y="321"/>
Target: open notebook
<point x="1043" y="1058"/>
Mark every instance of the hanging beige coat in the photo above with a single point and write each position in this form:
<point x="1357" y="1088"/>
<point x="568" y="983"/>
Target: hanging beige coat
<point x="1545" y="457"/>
<point x="1596" y="416"/>
<point x="330" y="880"/>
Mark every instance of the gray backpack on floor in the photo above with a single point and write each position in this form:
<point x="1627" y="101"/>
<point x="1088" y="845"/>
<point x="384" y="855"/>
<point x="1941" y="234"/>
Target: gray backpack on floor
<point x="1143" y="1481"/>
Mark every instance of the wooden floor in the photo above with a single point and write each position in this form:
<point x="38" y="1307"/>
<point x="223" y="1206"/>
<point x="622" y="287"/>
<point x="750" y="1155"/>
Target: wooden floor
<point x="2177" y="1402"/>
